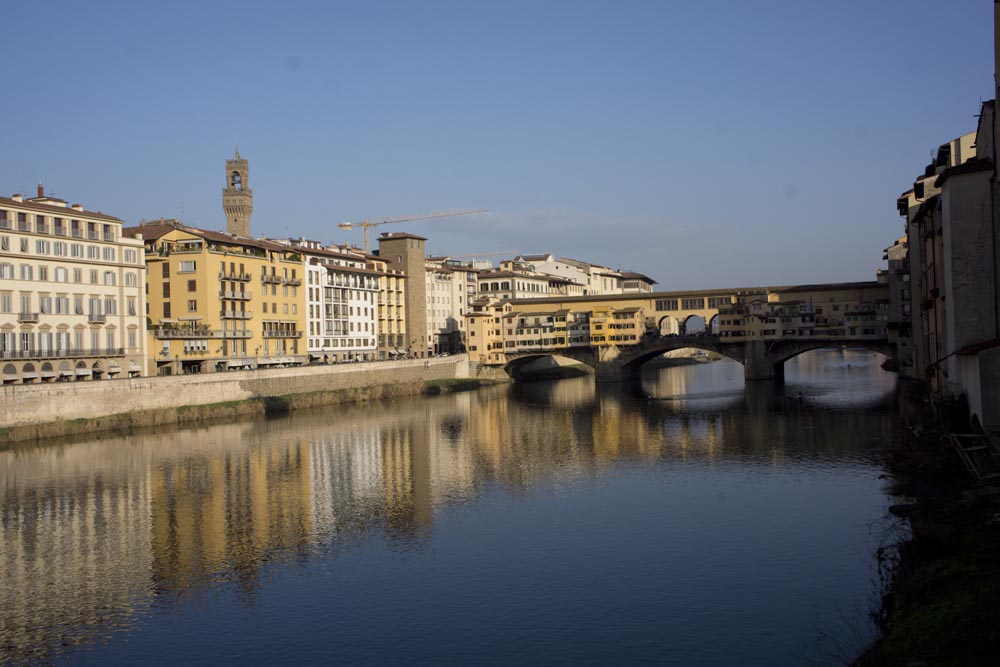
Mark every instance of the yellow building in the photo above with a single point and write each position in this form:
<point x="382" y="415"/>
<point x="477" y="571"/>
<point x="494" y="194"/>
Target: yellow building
<point x="217" y="301"/>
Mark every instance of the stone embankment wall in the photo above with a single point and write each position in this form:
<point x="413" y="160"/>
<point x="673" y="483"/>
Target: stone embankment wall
<point x="159" y="400"/>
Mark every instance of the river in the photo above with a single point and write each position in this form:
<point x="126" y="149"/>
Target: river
<point x="689" y="521"/>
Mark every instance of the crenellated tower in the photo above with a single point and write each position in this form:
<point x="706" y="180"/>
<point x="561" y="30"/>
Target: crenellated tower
<point x="237" y="197"/>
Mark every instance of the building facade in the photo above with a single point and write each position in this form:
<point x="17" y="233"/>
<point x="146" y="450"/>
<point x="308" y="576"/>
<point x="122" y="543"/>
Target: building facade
<point x="343" y="298"/>
<point x="406" y="253"/>
<point x="217" y="302"/>
<point x="71" y="293"/>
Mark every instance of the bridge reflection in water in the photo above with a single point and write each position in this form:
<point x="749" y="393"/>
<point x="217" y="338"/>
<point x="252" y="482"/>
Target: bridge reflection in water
<point x="98" y="536"/>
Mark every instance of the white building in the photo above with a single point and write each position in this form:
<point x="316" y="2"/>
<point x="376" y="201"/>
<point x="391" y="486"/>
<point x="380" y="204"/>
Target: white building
<point x="450" y="285"/>
<point x="72" y="304"/>
<point x="342" y="295"/>
<point x="593" y="279"/>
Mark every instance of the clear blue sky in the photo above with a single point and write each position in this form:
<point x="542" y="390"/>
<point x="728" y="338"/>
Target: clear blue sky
<point x="706" y="144"/>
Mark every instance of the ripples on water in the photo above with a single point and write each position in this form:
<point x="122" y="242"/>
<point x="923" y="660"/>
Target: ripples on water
<point x="691" y="520"/>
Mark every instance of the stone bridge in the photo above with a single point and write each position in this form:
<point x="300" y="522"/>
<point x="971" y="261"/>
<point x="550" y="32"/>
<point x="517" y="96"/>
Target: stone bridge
<point x="761" y="359"/>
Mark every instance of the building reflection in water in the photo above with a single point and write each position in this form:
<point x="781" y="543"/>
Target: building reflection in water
<point x="94" y="533"/>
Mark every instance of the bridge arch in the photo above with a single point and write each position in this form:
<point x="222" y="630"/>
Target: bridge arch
<point x="515" y="363"/>
<point x="694" y="324"/>
<point x="780" y="352"/>
<point x="668" y="326"/>
<point x="634" y="363"/>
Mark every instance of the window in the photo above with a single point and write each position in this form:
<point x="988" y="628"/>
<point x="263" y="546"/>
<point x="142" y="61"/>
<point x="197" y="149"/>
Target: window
<point x="59" y="248"/>
<point x="75" y="230"/>
<point x="693" y="304"/>
<point x="76" y="250"/>
<point x="108" y="254"/>
<point x="166" y="270"/>
<point x="59" y="226"/>
<point x="131" y="305"/>
<point x="109" y="277"/>
<point x="6" y="302"/>
<point x="27" y="272"/>
<point x="6" y="270"/>
<point x="166" y="290"/>
<point x="187" y="267"/>
<point x="666" y="304"/>
<point x="93" y="252"/>
<point x="131" y="280"/>
<point x="131" y="256"/>
<point x="43" y="273"/>
<point x="192" y="286"/>
<point x="192" y="306"/>
<point x="42" y="247"/>
<point x="166" y="309"/>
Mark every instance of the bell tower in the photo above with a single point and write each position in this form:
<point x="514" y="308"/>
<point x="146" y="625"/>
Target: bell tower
<point x="237" y="197"/>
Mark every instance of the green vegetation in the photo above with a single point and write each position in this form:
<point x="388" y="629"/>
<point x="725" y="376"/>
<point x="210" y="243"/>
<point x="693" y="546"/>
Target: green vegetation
<point x="451" y="385"/>
<point x="943" y="583"/>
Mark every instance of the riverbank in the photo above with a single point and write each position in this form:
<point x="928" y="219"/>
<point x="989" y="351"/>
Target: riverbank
<point x="942" y="583"/>
<point x="58" y="410"/>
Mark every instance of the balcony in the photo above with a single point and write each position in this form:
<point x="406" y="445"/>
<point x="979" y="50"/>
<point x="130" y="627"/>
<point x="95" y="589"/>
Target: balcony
<point x="27" y="317"/>
<point x="178" y="333"/>
<point x="235" y="275"/>
<point x="63" y="354"/>
<point x="234" y="334"/>
<point x="295" y="282"/>
<point x="94" y="318"/>
<point x="241" y="295"/>
<point x="268" y="279"/>
<point x="235" y="314"/>
<point x="282" y="334"/>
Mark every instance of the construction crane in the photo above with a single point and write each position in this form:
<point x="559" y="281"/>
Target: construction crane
<point x="368" y="223"/>
<point x="477" y="255"/>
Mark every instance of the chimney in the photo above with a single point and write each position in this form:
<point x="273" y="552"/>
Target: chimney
<point x="41" y="190"/>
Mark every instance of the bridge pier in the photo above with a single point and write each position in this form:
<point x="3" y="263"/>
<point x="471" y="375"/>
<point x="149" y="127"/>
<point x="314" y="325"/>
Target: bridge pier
<point x="757" y="365"/>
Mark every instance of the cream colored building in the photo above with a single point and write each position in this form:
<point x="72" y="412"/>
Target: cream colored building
<point x="71" y="294"/>
<point x="450" y="286"/>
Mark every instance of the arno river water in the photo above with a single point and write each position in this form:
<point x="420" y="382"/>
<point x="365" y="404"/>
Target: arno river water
<point x="715" y="524"/>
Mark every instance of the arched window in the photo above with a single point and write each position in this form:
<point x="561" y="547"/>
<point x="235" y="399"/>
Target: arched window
<point x="236" y="181"/>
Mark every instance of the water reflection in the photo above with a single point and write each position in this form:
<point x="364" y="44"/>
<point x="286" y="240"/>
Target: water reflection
<point x="97" y="536"/>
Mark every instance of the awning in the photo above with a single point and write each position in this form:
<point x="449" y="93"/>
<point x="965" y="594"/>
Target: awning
<point x="234" y="364"/>
<point x="83" y="371"/>
<point x="49" y="374"/>
<point x="114" y="370"/>
<point x="66" y="373"/>
<point x="29" y="376"/>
